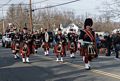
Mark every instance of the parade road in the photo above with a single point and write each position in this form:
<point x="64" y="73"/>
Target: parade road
<point x="45" y="68"/>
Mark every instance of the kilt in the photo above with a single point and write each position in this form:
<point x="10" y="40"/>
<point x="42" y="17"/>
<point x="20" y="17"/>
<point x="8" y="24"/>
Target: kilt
<point x="46" y="46"/>
<point x="56" y="48"/>
<point x="25" y="54"/>
<point x="74" y="49"/>
<point x="88" y="52"/>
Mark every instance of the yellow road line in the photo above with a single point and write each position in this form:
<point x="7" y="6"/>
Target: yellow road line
<point x="93" y="70"/>
<point x="106" y="74"/>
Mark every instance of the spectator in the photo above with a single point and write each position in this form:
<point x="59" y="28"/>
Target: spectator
<point x="116" y="43"/>
<point x="98" y="42"/>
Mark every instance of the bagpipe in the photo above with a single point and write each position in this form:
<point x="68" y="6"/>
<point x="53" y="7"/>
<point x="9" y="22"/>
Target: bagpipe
<point x="91" y="49"/>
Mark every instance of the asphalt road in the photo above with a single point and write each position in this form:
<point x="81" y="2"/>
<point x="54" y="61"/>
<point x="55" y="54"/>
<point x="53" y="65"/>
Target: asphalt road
<point x="45" y="68"/>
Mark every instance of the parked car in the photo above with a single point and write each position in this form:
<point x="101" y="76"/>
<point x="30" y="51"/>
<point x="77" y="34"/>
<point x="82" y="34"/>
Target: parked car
<point x="6" y="40"/>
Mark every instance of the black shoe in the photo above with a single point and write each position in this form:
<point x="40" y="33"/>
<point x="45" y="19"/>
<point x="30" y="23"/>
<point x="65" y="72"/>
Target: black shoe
<point x="15" y="58"/>
<point x="18" y="57"/>
<point x="47" y="55"/>
<point x="107" y="55"/>
<point x="35" y="51"/>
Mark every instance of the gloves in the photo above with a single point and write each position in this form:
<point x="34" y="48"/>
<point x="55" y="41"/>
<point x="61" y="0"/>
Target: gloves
<point x="81" y="42"/>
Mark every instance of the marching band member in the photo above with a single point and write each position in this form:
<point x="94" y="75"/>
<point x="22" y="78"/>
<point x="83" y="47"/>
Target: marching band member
<point x="36" y="40"/>
<point x="59" y="48"/>
<point x="15" y="44"/>
<point x="88" y="43"/>
<point x="72" y="44"/>
<point x="46" y="44"/>
<point x="25" y="50"/>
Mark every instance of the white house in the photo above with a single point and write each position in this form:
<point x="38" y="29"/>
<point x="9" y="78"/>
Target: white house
<point x="114" y="31"/>
<point x="73" y="26"/>
<point x="67" y="29"/>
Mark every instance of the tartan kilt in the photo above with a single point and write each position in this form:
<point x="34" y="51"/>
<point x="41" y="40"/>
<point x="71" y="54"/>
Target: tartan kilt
<point x="69" y="47"/>
<point x="84" y="52"/>
<point x="56" y="50"/>
<point x="22" y="53"/>
<point x="46" y="45"/>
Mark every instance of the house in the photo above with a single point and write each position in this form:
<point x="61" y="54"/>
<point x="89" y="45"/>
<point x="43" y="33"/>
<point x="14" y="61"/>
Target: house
<point x="71" y="26"/>
<point x="114" y="31"/>
<point x="66" y="28"/>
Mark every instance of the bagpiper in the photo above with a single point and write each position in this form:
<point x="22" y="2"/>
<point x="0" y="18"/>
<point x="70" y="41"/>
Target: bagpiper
<point x="36" y="40"/>
<point x="46" y="44"/>
<point x="25" y="52"/>
<point x="88" y="43"/>
<point x="72" y="43"/>
<point x="25" y="49"/>
<point x="15" y="45"/>
<point x="59" y="48"/>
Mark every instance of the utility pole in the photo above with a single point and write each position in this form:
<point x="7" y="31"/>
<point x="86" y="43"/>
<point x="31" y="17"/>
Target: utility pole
<point x="3" y="22"/>
<point x="31" y="24"/>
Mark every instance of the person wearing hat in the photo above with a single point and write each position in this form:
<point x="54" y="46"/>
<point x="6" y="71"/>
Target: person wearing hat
<point x="36" y="40"/>
<point x="88" y="43"/>
<point x="59" y="48"/>
<point x="72" y="43"/>
<point x="46" y="44"/>
<point x="25" y="37"/>
<point x="14" y="44"/>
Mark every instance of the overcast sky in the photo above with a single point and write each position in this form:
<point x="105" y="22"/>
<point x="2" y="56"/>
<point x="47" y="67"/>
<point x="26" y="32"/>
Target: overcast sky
<point x="79" y="8"/>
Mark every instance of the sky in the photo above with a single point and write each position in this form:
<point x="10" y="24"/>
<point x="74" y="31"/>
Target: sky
<point x="80" y="8"/>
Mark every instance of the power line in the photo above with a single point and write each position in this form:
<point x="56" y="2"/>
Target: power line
<point x="27" y="4"/>
<point x="40" y="2"/>
<point x="57" y="5"/>
<point x="6" y="3"/>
